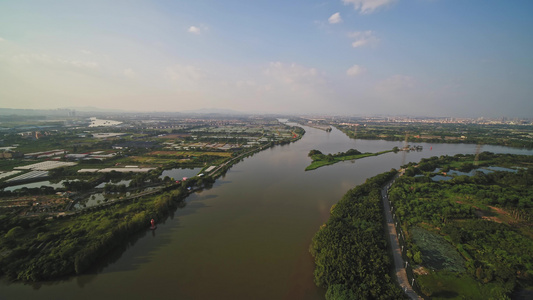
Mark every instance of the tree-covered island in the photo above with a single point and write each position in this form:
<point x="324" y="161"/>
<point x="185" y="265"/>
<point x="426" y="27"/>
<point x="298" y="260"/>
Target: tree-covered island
<point x="320" y="159"/>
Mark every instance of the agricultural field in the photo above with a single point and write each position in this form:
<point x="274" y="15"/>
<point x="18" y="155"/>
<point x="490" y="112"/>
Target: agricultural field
<point x="60" y="222"/>
<point x="59" y="150"/>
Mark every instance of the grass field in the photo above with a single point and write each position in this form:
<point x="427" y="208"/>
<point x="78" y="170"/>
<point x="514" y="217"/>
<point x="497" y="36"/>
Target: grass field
<point x="451" y="285"/>
<point x="437" y="253"/>
<point x="150" y="160"/>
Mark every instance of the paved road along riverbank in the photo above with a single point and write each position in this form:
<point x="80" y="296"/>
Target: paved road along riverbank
<point x="399" y="264"/>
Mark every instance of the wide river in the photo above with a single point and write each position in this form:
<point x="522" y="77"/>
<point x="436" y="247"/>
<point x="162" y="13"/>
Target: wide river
<point x="247" y="237"/>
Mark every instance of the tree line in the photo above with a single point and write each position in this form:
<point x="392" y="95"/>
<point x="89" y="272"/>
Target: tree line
<point x="40" y="249"/>
<point x="350" y="250"/>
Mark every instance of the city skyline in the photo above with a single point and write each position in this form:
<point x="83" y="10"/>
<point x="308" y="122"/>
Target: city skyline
<point x="349" y="57"/>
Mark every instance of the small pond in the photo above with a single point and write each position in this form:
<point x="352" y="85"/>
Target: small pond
<point x="486" y="170"/>
<point x="98" y="198"/>
<point x="178" y="173"/>
<point x="123" y="182"/>
<point x="37" y="184"/>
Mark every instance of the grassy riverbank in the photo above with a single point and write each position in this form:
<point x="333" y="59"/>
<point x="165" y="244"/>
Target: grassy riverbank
<point x="320" y="160"/>
<point x="36" y="249"/>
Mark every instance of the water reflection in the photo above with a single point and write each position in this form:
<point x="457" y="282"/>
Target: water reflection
<point x="37" y="184"/>
<point x="179" y="173"/>
<point x="453" y="173"/>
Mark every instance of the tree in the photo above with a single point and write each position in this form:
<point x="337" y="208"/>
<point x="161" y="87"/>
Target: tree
<point x="352" y="152"/>
<point x="340" y="292"/>
<point x="417" y="257"/>
<point x="313" y="152"/>
<point x="14" y="232"/>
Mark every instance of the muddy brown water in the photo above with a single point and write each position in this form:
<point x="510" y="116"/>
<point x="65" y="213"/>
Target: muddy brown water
<point x="247" y="237"/>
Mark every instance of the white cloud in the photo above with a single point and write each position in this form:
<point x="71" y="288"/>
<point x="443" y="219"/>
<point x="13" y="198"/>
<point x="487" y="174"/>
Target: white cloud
<point x="292" y="74"/>
<point x="129" y="73"/>
<point x="355" y="70"/>
<point x="368" y="6"/>
<point x="363" y="38"/>
<point x="195" y="30"/>
<point x="335" y="18"/>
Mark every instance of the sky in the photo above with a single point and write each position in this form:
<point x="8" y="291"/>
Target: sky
<point x="437" y="58"/>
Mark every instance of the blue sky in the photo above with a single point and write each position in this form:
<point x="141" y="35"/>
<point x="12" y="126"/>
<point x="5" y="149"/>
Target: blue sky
<point x="350" y="57"/>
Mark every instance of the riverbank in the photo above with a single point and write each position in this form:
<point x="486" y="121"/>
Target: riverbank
<point x="350" y="251"/>
<point x="56" y="245"/>
<point x="38" y="249"/>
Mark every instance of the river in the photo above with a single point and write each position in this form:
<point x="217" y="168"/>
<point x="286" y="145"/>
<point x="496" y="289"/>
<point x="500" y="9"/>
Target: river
<point x="245" y="238"/>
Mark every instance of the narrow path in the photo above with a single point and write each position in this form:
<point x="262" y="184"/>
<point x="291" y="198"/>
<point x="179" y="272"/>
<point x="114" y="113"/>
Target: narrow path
<point x="399" y="264"/>
<point x="215" y="170"/>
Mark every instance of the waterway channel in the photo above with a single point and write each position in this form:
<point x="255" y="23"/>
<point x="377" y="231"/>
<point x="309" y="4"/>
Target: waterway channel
<point x="245" y="238"/>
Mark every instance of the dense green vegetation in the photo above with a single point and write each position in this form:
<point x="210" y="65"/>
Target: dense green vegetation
<point x="505" y="135"/>
<point x="320" y="160"/>
<point x="486" y="217"/>
<point x="350" y="250"/>
<point x="41" y="249"/>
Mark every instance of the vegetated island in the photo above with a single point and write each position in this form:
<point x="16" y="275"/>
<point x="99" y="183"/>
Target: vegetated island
<point x="320" y="159"/>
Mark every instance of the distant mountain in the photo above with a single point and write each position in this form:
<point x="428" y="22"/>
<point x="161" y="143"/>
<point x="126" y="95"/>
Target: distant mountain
<point x="68" y="111"/>
<point x="96" y="109"/>
<point x="82" y="111"/>
<point x="206" y="111"/>
<point x="34" y="112"/>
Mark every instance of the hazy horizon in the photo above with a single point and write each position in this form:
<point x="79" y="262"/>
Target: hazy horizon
<point x="345" y="57"/>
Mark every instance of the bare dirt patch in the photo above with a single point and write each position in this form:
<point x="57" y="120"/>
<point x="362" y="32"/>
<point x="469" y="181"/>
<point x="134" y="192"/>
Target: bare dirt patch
<point x="421" y="271"/>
